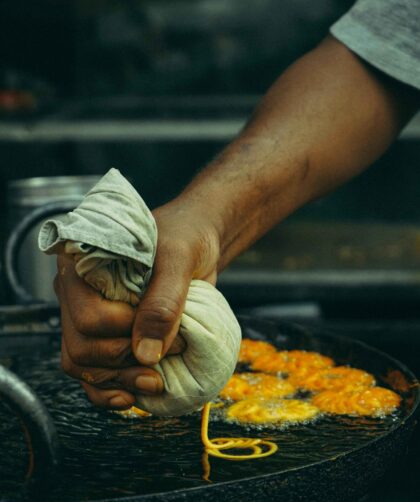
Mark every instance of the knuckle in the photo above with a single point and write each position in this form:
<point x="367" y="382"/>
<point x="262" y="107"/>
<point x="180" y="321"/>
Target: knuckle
<point x="117" y="319"/>
<point x="160" y="313"/>
<point x="78" y="353"/>
<point x="118" y="350"/>
<point x="96" y="319"/>
<point x="102" y="378"/>
<point x="87" y="322"/>
<point x="170" y="248"/>
<point x="97" y="352"/>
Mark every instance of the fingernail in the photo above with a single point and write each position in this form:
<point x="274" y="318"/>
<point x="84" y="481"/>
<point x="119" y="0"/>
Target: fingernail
<point x="149" y="350"/>
<point x="146" y="383"/>
<point x="118" y="402"/>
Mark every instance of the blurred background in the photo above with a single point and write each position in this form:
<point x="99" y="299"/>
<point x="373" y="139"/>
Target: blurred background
<point x="156" y="88"/>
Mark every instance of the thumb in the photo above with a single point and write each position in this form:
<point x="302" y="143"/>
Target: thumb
<point x="159" y="313"/>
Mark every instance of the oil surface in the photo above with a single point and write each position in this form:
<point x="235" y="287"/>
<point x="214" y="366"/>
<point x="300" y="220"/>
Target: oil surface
<point x="107" y="456"/>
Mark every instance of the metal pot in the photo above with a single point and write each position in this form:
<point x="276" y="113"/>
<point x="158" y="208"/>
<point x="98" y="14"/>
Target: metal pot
<point x="24" y="197"/>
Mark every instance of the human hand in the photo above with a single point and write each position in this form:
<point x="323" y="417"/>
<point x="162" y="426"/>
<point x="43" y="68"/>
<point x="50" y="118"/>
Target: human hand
<point x="188" y="248"/>
<point x="96" y="345"/>
<point x="99" y="338"/>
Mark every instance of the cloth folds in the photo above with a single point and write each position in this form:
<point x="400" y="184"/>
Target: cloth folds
<point x="112" y="236"/>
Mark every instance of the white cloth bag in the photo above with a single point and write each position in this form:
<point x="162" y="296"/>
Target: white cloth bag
<point x="113" y="235"/>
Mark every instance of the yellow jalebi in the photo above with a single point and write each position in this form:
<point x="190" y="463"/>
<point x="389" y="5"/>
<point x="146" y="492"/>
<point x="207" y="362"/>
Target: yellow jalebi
<point x="214" y="446"/>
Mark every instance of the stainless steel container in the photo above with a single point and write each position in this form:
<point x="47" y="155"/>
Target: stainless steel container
<point x="36" y="270"/>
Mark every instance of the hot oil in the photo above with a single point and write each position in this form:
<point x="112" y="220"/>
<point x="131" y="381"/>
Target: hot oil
<point x="108" y="456"/>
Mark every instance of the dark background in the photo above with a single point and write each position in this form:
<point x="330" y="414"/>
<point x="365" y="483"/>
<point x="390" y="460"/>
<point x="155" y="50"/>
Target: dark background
<point x="73" y="62"/>
<point x="114" y="60"/>
<point x="121" y="64"/>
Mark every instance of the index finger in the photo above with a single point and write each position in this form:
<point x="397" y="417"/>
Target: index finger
<point x="91" y="314"/>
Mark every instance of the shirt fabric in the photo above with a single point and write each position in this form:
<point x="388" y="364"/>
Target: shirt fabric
<point x="386" y="34"/>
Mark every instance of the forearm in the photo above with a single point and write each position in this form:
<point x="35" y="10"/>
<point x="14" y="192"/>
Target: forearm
<point x="322" y="122"/>
<point x="325" y="119"/>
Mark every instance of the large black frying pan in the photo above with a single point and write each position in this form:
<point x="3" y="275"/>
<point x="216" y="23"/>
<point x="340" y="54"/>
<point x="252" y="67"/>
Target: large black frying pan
<point x="105" y="457"/>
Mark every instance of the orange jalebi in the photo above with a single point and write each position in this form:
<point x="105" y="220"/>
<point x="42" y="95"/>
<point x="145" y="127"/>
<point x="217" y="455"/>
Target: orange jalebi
<point x="251" y="349"/>
<point x="339" y="377"/>
<point x="290" y="361"/>
<point x="243" y="385"/>
<point x="374" y="401"/>
<point x="272" y="411"/>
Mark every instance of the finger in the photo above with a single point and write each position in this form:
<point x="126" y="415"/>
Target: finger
<point x="178" y="346"/>
<point x="106" y="353"/>
<point x="92" y="314"/>
<point x="135" y="379"/>
<point x="111" y="399"/>
<point x="159" y="313"/>
<point x="141" y="380"/>
<point x="96" y="352"/>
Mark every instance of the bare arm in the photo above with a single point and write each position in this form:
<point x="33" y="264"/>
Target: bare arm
<point x="326" y="118"/>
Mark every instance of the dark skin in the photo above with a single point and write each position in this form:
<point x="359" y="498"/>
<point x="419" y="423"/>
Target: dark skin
<point x="328" y="117"/>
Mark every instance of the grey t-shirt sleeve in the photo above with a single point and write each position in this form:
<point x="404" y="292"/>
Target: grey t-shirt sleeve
<point x="386" y="34"/>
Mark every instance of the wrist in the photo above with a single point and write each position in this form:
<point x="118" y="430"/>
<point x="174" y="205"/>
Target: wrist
<point x="188" y="230"/>
<point x="250" y="187"/>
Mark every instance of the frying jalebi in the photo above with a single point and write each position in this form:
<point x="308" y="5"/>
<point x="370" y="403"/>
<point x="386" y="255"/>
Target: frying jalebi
<point x="244" y="385"/>
<point x="259" y="447"/>
<point x="374" y="402"/>
<point x="251" y="349"/>
<point x="272" y="411"/>
<point x="340" y="377"/>
<point x="291" y="361"/>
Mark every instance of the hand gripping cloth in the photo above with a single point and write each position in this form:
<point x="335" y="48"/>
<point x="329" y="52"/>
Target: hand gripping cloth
<point x="113" y="235"/>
